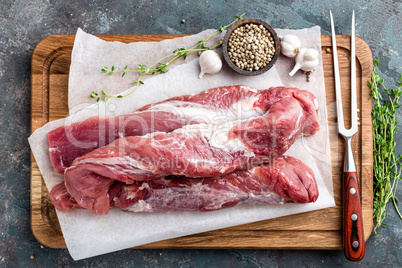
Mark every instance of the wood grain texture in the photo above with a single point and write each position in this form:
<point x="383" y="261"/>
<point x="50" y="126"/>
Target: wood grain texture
<point x="353" y="235"/>
<point x="321" y="229"/>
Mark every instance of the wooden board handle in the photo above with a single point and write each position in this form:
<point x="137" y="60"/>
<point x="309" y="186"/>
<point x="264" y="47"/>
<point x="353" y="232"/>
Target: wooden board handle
<point x="353" y="235"/>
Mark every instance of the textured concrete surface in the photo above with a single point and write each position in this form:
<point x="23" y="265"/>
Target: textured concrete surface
<point x="24" y="23"/>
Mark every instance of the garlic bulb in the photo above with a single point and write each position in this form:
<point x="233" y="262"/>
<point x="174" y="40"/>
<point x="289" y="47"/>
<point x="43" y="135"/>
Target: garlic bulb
<point x="210" y="63"/>
<point x="306" y="60"/>
<point x="290" y="45"/>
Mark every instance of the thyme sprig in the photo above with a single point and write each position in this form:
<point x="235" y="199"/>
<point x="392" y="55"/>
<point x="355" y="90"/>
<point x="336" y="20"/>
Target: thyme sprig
<point x="161" y="65"/>
<point x="387" y="166"/>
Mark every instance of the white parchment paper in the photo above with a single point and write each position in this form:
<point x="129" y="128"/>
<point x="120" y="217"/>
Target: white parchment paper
<point x="90" y="54"/>
<point x="88" y="235"/>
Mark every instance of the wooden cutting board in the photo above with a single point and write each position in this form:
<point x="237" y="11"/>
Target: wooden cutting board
<point x="321" y="229"/>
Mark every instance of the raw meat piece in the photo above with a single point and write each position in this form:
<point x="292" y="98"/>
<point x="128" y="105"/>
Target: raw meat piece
<point x="286" y="179"/>
<point x="218" y="104"/>
<point x="62" y="199"/>
<point x="194" y="151"/>
<point x="89" y="177"/>
<point x="275" y="131"/>
<point x="204" y="150"/>
<point x="69" y="142"/>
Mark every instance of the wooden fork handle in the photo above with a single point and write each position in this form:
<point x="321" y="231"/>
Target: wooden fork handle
<point x="353" y="234"/>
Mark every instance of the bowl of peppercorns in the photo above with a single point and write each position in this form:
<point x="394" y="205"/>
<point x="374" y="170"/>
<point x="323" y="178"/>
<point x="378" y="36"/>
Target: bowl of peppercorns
<point x="251" y="47"/>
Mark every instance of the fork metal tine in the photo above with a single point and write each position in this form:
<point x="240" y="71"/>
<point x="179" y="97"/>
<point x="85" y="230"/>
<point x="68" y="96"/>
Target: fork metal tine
<point x="341" y="125"/>
<point x="339" y="110"/>
<point x="353" y="128"/>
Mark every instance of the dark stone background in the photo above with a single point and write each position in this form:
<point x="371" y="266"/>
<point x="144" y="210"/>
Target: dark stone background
<point x="24" y="23"/>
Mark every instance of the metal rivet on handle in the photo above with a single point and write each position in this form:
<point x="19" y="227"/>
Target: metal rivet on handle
<point x="355" y="244"/>
<point x="352" y="190"/>
<point x="354" y="217"/>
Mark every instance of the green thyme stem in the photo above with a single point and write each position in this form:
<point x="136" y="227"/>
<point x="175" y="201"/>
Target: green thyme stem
<point x="190" y="51"/>
<point x="194" y="51"/>
<point x="117" y="72"/>
<point x="153" y="69"/>
<point x="170" y="55"/>
<point x="387" y="166"/>
<point x="170" y="62"/>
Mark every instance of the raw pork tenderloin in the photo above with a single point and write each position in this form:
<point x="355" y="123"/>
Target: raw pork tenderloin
<point x="286" y="179"/>
<point x="280" y="115"/>
<point x="220" y="104"/>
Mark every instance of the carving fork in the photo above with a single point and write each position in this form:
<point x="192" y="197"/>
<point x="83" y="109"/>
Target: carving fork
<point x="353" y="235"/>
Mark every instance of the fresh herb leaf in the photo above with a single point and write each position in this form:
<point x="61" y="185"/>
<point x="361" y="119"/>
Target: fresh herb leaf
<point x="94" y="94"/>
<point x="161" y="65"/>
<point x="119" y="96"/>
<point x="180" y="52"/>
<point x="142" y="67"/>
<point x="105" y="69"/>
<point x="136" y="81"/>
<point x="201" y="43"/>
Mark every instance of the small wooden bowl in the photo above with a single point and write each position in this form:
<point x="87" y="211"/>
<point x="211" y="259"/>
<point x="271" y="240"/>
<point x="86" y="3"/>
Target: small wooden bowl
<point x="241" y="23"/>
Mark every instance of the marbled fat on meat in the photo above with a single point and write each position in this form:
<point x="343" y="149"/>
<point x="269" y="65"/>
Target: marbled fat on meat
<point x="203" y="150"/>
<point x="71" y="141"/>
<point x="285" y="179"/>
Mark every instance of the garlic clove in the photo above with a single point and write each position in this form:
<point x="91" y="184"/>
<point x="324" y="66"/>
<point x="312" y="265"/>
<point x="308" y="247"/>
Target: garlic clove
<point x="210" y="63"/>
<point x="310" y="60"/>
<point x="307" y="60"/>
<point x="310" y="54"/>
<point x="290" y="45"/>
